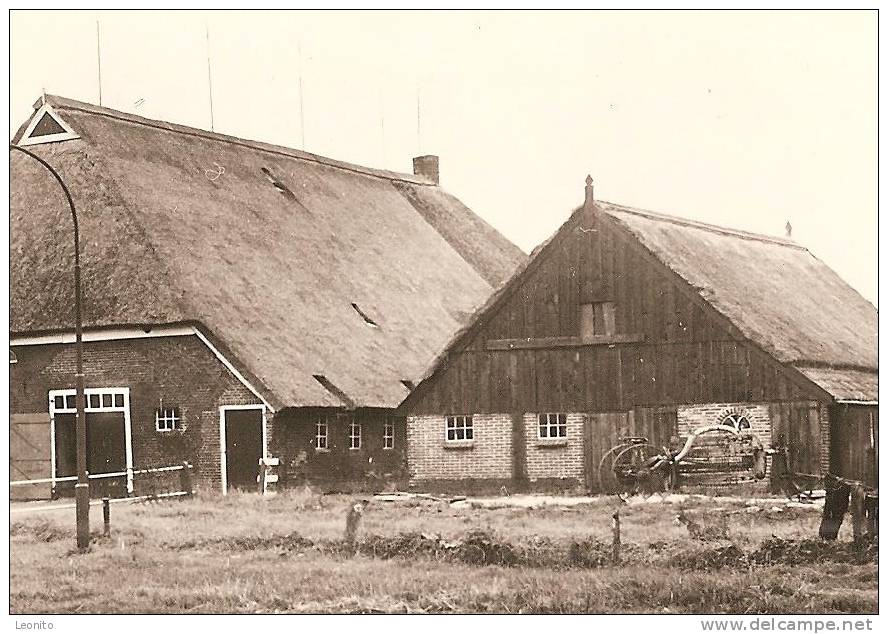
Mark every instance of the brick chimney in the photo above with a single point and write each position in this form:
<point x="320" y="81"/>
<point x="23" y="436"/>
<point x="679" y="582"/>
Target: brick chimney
<point x="427" y="166"/>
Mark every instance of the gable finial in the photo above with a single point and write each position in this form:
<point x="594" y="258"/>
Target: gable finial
<point x="590" y="192"/>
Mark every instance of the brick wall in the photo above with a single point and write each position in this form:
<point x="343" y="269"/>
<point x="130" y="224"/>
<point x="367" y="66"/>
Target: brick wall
<point x="690" y="417"/>
<point x="824" y="439"/>
<point x="554" y="458"/>
<point x="338" y="468"/>
<point x="179" y="370"/>
<point x="430" y="457"/>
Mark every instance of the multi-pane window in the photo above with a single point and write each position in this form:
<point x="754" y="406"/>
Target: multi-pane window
<point x="354" y="435"/>
<point x="166" y="418"/>
<point x="388" y="435"/>
<point x="737" y="421"/>
<point x="459" y="428"/>
<point x="553" y="425"/>
<point x="321" y="434"/>
<point x="101" y="399"/>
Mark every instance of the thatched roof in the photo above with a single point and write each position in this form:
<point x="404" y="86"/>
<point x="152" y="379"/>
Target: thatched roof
<point x="781" y="297"/>
<point x="266" y="248"/>
<point x="776" y="292"/>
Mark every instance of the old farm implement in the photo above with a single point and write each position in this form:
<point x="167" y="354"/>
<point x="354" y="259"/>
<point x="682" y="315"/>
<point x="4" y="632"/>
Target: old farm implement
<point x="721" y="454"/>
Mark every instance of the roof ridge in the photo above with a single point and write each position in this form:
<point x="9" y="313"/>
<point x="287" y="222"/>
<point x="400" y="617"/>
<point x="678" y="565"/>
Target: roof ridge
<point x="65" y="103"/>
<point x="689" y="222"/>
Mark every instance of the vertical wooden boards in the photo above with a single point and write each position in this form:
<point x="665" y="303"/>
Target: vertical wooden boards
<point x="854" y="438"/>
<point x="30" y="453"/>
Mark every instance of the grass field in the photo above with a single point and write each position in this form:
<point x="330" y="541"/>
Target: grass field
<point x="286" y="553"/>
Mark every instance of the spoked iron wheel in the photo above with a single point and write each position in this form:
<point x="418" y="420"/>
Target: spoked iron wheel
<point x="630" y="468"/>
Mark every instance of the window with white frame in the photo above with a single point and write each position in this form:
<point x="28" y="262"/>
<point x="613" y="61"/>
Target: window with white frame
<point x="388" y="435"/>
<point x="553" y="425"/>
<point x="95" y="399"/>
<point x="354" y="435"/>
<point x="321" y="434"/>
<point x="167" y="419"/>
<point x="459" y="428"/>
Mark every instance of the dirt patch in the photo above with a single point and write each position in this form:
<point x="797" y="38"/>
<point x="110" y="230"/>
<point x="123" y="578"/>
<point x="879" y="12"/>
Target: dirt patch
<point x="240" y="543"/>
<point x="41" y="531"/>
<point x="809" y="551"/>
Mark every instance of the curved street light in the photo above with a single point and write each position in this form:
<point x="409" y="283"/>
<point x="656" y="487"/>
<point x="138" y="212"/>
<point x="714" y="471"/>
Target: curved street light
<point x="81" y="489"/>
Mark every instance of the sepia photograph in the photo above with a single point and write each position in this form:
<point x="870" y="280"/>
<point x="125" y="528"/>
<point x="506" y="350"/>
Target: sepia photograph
<point x="403" y="312"/>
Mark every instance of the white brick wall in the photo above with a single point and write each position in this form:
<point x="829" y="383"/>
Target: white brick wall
<point x="547" y="461"/>
<point x="429" y="457"/>
<point x="690" y="417"/>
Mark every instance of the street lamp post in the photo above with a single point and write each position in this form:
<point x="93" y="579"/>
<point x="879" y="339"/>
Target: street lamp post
<point x="81" y="489"/>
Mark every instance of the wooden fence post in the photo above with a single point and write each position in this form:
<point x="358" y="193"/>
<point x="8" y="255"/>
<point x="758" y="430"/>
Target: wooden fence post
<point x="857" y="515"/>
<point x="616" y="531"/>
<point x="185" y="478"/>
<point x="106" y="516"/>
<point x="261" y="479"/>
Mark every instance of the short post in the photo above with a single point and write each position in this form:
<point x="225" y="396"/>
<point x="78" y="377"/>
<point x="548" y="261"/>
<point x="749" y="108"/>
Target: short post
<point x="185" y="478"/>
<point x="106" y="516"/>
<point x="261" y="479"/>
<point x="616" y="532"/>
<point x="858" y="493"/>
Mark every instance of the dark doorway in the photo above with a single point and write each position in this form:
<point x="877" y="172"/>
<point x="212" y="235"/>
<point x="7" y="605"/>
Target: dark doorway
<point x="243" y="447"/>
<point x="105" y="453"/>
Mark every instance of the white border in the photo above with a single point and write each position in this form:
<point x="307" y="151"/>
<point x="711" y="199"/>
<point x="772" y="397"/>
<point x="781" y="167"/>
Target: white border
<point x="67" y="135"/>
<point x="117" y="334"/>
<point x="127" y="424"/>
<point x="223" y="462"/>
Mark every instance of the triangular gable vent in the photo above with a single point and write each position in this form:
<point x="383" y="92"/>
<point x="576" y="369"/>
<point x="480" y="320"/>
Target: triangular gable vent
<point x="47" y="126"/>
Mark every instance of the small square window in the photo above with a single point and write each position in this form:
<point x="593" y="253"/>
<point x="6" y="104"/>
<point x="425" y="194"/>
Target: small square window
<point x="459" y="428"/>
<point x="321" y="434"/>
<point x="118" y="400"/>
<point x="354" y="435"/>
<point x="71" y="401"/>
<point x="107" y="400"/>
<point x="553" y="426"/>
<point x="167" y="418"/>
<point x="58" y="402"/>
<point x="95" y="401"/>
<point x="388" y="435"/>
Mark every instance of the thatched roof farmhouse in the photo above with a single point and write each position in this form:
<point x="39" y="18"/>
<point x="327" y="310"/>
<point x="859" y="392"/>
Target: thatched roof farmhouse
<point x="321" y="284"/>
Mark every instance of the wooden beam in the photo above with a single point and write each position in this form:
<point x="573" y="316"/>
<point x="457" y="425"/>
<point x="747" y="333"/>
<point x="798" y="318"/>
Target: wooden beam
<point x="562" y="342"/>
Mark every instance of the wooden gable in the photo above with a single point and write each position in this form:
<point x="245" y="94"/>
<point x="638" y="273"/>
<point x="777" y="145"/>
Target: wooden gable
<point x="597" y="323"/>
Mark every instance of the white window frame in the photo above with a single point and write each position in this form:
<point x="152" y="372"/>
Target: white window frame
<point x="550" y="421"/>
<point x="352" y="436"/>
<point x="457" y="423"/>
<point x="171" y="420"/>
<point x="733" y="419"/>
<point x="69" y="406"/>
<point x="223" y="462"/>
<point x="322" y="422"/>
<point x="67" y="135"/>
<point x="388" y="434"/>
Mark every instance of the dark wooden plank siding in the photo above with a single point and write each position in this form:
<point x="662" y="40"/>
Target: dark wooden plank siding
<point x="854" y="442"/>
<point x="688" y="352"/>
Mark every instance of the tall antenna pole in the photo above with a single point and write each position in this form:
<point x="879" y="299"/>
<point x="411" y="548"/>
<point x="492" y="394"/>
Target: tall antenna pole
<point x="210" y="80"/>
<point x="99" y="57"/>
<point x="301" y="104"/>
<point x="418" y="136"/>
<point x="382" y="122"/>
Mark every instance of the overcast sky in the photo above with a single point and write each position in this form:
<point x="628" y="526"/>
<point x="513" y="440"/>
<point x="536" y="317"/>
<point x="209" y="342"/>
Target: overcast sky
<point x="741" y="119"/>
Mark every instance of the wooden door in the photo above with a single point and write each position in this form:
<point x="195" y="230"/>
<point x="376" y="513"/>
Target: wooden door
<point x="243" y="448"/>
<point x="105" y="453"/>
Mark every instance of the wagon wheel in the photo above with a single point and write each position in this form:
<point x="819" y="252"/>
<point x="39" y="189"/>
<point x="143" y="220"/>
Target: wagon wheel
<point x="607" y="483"/>
<point x="636" y="469"/>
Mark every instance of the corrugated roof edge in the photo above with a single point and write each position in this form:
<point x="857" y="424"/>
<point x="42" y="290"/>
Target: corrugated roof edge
<point x="64" y="103"/>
